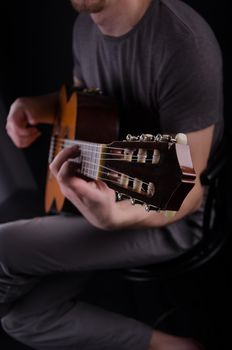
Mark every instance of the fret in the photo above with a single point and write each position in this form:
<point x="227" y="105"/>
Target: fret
<point x="56" y="145"/>
<point x="90" y="160"/>
<point x="51" y="150"/>
<point x="90" y="157"/>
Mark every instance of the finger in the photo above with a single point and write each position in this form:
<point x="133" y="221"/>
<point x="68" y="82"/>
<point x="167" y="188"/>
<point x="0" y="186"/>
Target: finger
<point x="21" y="131"/>
<point x="67" y="171"/>
<point x="19" y="115"/>
<point x="23" y="142"/>
<point x="26" y="142"/>
<point x="73" y="187"/>
<point x="62" y="157"/>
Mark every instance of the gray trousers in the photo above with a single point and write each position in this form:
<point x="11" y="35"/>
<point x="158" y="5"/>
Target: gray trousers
<point x="44" y="263"/>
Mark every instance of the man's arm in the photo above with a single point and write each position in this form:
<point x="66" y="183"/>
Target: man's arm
<point x="97" y="202"/>
<point x="26" y="113"/>
<point x="200" y="144"/>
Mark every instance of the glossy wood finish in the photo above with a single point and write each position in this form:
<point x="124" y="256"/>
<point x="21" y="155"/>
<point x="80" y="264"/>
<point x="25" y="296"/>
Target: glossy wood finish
<point x="85" y="116"/>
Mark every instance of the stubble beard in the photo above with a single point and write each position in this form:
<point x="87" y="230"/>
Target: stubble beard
<point x="90" y="6"/>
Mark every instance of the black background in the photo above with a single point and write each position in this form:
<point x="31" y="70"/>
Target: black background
<point x="36" y="58"/>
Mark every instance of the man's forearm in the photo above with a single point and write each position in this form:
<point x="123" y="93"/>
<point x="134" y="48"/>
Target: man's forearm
<point x="135" y="216"/>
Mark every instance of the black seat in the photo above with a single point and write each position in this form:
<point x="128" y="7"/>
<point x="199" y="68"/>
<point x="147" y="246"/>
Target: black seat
<point x="186" y="295"/>
<point x="215" y="231"/>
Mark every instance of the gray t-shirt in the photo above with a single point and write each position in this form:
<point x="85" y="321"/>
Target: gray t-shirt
<point x="166" y="73"/>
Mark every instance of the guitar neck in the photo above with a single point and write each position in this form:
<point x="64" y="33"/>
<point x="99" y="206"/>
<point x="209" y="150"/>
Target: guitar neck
<point x="156" y="171"/>
<point x="91" y="155"/>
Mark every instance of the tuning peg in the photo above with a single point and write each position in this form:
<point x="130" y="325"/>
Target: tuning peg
<point x="129" y="138"/>
<point x="181" y="138"/>
<point x="146" y="137"/>
<point x="147" y="207"/>
<point x="132" y="201"/>
<point x="119" y="196"/>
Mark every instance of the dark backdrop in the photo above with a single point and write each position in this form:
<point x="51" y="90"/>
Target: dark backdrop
<point x="36" y="46"/>
<point x="36" y="53"/>
<point x="36" y="57"/>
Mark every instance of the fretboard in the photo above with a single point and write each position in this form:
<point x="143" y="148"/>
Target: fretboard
<point x="90" y="155"/>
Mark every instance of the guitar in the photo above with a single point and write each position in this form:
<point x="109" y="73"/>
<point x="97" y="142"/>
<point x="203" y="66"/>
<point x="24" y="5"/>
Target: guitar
<point x="156" y="171"/>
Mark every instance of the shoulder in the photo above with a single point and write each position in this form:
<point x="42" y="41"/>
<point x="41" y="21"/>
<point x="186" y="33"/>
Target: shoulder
<point x="183" y="22"/>
<point x="185" y="36"/>
<point x="83" y="26"/>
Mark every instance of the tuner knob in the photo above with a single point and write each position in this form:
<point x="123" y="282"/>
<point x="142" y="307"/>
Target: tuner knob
<point x="147" y="207"/>
<point x="146" y="137"/>
<point x="129" y="138"/>
<point x="132" y="201"/>
<point x="119" y="196"/>
<point x="181" y="138"/>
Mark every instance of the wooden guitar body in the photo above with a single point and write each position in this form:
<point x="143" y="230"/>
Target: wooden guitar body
<point x="85" y="116"/>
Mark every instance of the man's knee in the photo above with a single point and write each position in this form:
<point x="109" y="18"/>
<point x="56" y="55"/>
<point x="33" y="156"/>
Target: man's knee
<point x="6" y="267"/>
<point x="13" y="280"/>
<point x="9" y="244"/>
<point x="17" y="247"/>
<point x="20" y="327"/>
<point x="14" y="325"/>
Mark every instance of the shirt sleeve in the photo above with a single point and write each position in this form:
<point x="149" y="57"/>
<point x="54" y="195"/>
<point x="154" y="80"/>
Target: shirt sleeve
<point x="189" y="87"/>
<point x="76" y="52"/>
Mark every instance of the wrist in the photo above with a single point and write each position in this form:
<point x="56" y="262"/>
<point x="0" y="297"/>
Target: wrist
<point x="125" y="215"/>
<point x="44" y="108"/>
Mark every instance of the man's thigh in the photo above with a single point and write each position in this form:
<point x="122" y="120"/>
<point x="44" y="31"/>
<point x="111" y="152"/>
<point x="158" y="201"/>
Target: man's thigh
<point x="62" y="243"/>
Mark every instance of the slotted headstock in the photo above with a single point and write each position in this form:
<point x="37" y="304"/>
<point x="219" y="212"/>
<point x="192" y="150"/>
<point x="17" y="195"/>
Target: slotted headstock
<point x="154" y="170"/>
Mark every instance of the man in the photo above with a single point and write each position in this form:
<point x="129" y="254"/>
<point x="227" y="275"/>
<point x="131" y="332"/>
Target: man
<point x="161" y="62"/>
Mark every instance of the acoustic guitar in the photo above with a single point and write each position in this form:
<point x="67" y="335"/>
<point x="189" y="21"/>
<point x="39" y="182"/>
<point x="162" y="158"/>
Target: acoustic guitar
<point x="156" y="171"/>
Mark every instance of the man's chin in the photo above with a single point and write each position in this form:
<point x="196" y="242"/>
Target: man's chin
<point x="89" y="6"/>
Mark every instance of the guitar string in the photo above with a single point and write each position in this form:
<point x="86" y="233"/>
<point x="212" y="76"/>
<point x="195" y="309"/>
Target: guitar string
<point x="107" y="168"/>
<point x="60" y="141"/>
<point x="111" y="170"/>
<point x="86" y="143"/>
<point x="116" y="182"/>
<point x="143" y="192"/>
<point x="87" y="148"/>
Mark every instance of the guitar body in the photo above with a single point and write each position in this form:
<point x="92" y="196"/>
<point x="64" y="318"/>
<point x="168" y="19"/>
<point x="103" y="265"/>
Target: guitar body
<point x="85" y="116"/>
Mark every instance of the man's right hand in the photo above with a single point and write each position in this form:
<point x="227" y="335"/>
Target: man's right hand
<point x="26" y="113"/>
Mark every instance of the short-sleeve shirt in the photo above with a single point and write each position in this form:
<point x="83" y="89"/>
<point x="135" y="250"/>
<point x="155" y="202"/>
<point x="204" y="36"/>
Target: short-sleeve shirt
<point x="165" y="73"/>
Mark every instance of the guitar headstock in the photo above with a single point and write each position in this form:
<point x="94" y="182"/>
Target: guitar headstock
<point x="156" y="171"/>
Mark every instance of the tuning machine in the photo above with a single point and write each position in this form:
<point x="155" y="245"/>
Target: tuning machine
<point x="130" y="138"/>
<point x="132" y="201"/>
<point x="119" y="196"/>
<point x="147" y="207"/>
<point x="181" y="138"/>
<point x="146" y="137"/>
